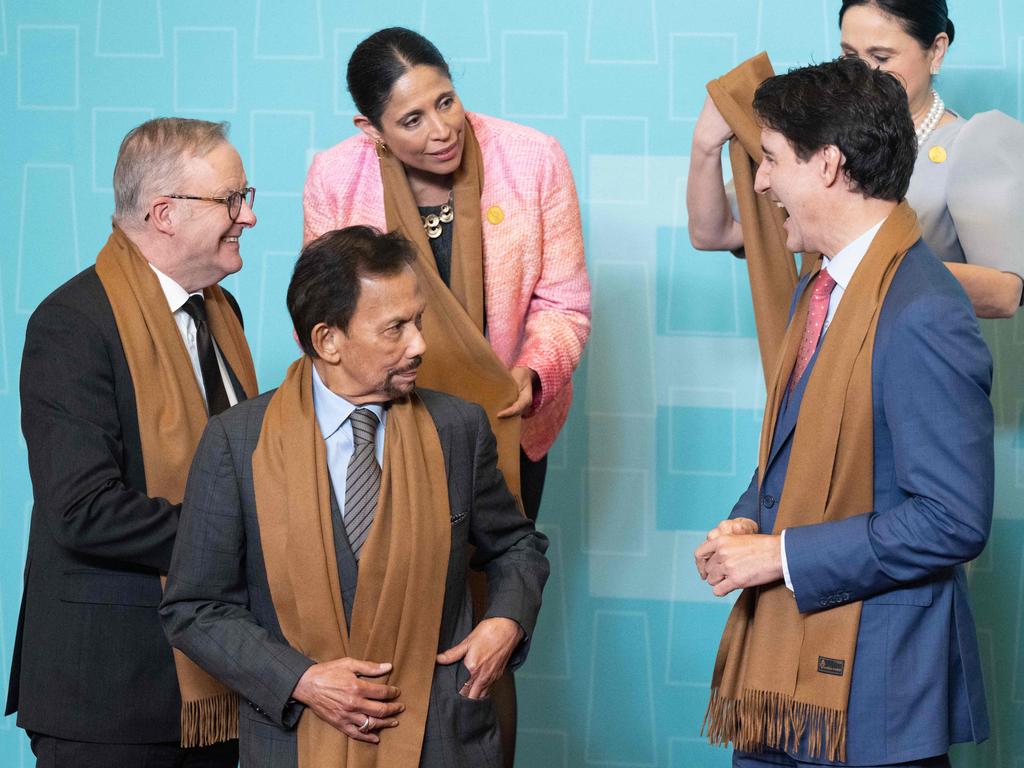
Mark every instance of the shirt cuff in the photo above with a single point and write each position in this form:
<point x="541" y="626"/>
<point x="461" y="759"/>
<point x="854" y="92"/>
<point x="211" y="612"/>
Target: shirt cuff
<point x="785" y="563"/>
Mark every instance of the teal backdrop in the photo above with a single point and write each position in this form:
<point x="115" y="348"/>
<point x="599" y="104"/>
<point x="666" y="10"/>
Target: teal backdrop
<point x="663" y="433"/>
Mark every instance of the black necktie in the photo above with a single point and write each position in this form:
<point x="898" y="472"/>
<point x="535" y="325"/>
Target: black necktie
<point x="213" y="383"/>
<point x="362" y="481"/>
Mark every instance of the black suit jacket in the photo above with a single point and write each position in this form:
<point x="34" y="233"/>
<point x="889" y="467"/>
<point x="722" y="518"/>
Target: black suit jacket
<point x="218" y="608"/>
<point x="91" y="662"/>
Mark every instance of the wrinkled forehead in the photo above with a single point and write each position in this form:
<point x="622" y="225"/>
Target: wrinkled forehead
<point x="386" y="297"/>
<point x="221" y="166"/>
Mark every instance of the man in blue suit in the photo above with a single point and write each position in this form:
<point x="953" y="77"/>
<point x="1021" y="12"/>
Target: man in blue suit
<point x="853" y="641"/>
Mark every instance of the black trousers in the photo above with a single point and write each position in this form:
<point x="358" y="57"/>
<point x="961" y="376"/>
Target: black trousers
<point x="770" y="759"/>
<point x="531" y="482"/>
<point x="52" y="752"/>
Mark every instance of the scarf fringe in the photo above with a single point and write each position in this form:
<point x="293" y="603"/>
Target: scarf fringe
<point x="210" y="720"/>
<point x="763" y="719"/>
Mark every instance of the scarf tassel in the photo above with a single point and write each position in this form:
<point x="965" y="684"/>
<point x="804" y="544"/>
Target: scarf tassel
<point x="210" y="720"/>
<point x="763" y="719"/>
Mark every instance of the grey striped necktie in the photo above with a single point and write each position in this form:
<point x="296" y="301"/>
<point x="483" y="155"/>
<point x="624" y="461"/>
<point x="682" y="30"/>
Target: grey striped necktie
<point x="362" y="481"/>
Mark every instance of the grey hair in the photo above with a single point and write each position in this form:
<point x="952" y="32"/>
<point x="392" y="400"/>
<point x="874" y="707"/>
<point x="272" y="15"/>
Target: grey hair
<point x="150" y="160"/>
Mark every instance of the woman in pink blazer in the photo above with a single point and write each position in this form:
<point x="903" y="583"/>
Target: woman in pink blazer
<point x="535" y="292"/>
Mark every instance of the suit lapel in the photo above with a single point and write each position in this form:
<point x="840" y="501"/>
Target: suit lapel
<point x="790" y="411"/>
<point x="348" y="568"/>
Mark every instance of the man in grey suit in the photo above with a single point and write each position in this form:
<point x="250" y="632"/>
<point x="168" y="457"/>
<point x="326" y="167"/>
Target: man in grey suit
<point x="321" y="558"/>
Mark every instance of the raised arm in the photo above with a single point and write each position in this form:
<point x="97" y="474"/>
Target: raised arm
<point x="711" y="223"/>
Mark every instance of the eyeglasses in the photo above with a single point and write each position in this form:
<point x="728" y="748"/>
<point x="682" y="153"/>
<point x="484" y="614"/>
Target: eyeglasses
<point x="233" y="200"/>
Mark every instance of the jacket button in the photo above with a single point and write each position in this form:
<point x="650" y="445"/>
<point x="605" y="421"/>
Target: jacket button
<point x="768" y="501"/>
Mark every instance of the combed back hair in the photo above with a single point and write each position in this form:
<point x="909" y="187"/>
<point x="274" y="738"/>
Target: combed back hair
<point x="923" y="20"/>
<point x="325" y="284"/>
<point x="380" y="60"/>
<point x="151" y="159"/>
<point x="846" y="103"/>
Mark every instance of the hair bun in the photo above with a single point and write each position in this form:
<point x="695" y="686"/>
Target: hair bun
<point x="950" y="30"/>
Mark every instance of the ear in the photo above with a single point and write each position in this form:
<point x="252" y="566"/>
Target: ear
<point x="326" y="340"/>
<point x="832" y="162"/>
<point x="161" y="215"/>
<point x="938" y="51"/>
<point x="363" y="124"/>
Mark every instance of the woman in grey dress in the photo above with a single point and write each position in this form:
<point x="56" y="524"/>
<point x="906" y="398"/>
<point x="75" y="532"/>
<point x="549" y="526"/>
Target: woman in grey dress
<point x="968" y="182"/>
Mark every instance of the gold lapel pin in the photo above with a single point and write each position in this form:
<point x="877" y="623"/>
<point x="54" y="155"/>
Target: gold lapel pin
<point x="495" y="215"/>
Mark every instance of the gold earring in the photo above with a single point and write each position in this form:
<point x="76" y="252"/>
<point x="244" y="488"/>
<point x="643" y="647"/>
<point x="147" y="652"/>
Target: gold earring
<point x="381" y="147"/>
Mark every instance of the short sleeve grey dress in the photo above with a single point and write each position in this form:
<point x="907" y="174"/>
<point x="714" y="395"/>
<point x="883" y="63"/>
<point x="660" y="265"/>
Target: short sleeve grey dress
<point x="968" y="191"/>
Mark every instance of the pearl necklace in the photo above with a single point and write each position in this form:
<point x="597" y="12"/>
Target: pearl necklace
<point x="931" y="120"/>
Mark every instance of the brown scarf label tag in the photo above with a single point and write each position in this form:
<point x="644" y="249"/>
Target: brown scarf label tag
<point x="829" y="666"/>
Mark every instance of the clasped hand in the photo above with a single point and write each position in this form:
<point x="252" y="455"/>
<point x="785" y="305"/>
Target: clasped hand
<point x="735" y="556"/>
<point x="343" y="693"/>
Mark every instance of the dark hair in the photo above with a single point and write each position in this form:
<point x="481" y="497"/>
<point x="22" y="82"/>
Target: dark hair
<point x="325" y="284"/>
<point x="861" y="110"/>
<point x="921" y="19"/>
<point x="380" y="60"/>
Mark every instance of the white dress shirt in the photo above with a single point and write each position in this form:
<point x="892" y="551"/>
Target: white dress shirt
<point x="841" y="267"/>
<point x="176" y="297"/>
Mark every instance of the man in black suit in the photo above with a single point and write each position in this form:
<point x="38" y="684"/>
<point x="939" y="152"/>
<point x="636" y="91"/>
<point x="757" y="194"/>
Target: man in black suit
<point x="119" y="368"/>
<point x="320" y="565"/>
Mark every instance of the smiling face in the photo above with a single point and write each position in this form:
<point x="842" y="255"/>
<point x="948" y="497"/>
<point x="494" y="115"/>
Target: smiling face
<point x="377" y="358"/>
<point x="794" y="184"/>
<point x="423" y="123"/>
<point x="881" y="40"/>
<point x="205" y="239"/>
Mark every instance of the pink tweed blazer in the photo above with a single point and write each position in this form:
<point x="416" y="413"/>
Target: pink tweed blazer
<point x="536" y="289"/>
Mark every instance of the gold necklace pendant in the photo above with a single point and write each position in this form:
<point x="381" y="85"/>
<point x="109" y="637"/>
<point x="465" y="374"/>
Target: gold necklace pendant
<point x="432" y="221"/>
<point x="432" y="225"/>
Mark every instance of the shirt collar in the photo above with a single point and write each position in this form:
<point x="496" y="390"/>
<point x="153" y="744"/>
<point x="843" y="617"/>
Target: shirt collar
<point x="176" y="295"/>
<point x="842" y="266"/>
<point x="332" y="409"/>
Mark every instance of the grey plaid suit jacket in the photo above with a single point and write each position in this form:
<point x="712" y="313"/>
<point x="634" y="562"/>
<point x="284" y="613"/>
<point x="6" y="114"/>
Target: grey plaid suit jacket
<point x="217" y="606"/>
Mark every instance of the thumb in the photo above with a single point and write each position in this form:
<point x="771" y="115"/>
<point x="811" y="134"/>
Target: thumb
<point x="454" y="653"/>
<point x="370" y="668"/>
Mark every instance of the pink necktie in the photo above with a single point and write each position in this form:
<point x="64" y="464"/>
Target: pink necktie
<point x="821" y="291"/>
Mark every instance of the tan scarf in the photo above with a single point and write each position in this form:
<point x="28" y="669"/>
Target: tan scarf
<point x="459" y="359"/>
<point x="767" y="690"/>
<point x="402" y="569"/>
<point x="770" y="265"/>
<point x="172" y="417"/>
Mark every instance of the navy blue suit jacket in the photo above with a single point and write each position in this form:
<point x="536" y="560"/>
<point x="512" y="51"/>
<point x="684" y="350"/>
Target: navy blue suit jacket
<point x="916" y="684"/>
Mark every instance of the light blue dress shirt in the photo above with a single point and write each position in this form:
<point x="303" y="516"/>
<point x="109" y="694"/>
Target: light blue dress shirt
<point x="332" y="412"/>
